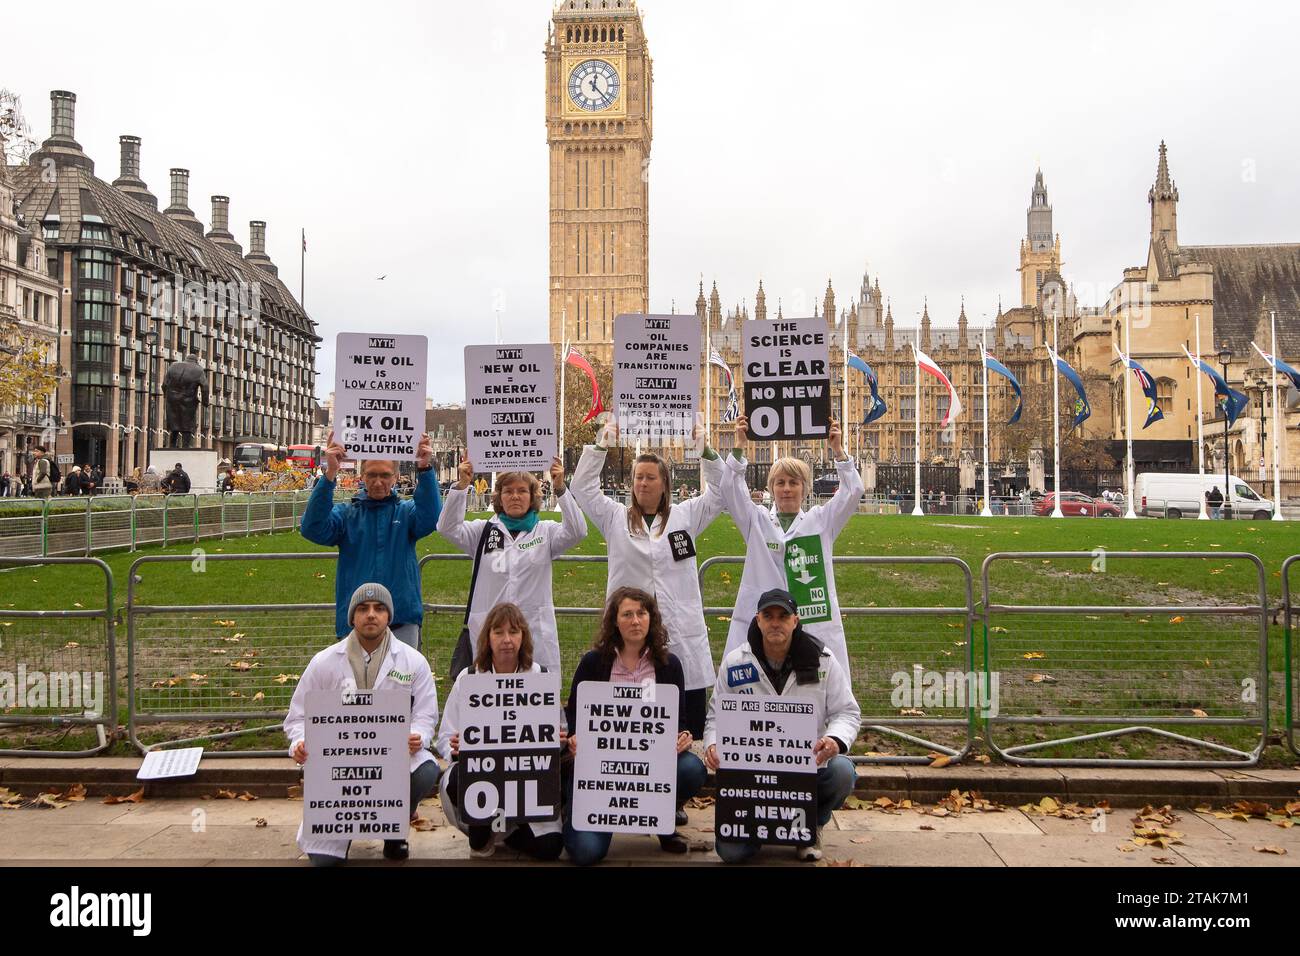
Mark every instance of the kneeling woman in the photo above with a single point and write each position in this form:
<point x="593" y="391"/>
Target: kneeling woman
<point x="505" y="646"/>
<point x="631" y="648"/>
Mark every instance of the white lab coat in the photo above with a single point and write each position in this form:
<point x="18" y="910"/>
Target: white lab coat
<point x="765" y="550"/>
<point x="648" y="562"/>
<point x="451" y="724"/>
<point x="518" y="572"/>
<point x="330" y="670"/>
<point x="742" y="673"/>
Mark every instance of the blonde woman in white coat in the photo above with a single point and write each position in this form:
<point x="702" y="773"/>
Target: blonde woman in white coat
<point x="652" y="545"/>
<point x="516" y="563"/>
<point x="787" y="547"/>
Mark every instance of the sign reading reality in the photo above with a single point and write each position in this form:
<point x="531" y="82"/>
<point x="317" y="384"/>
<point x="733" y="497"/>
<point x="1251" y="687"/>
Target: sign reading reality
<point x="379" y="388"/>
<point x="787" y="379"/>
<point x="510" y="748"/>
<point x="767" y="776"/>
<point x="357" y="779"/>
<point x="625" y="772"/>
<point x="510" y="407"/>
<point x="656" y="377"/>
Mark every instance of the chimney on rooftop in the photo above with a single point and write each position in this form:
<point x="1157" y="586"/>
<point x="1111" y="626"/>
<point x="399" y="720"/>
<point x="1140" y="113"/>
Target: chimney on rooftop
<point x="129" y="181"/>
<point x="257" y="247"/>
<point x="179" y="209"/>
<point x="220" y="231"/>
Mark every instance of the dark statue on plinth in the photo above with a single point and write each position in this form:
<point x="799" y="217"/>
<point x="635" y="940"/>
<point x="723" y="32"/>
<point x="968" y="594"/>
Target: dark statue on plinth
<point x="184" y="388"/>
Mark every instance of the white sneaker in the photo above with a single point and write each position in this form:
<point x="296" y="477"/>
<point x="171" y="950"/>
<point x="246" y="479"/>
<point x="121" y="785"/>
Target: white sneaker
<point x="811" y="853"/>
<point x="484" y="853"/>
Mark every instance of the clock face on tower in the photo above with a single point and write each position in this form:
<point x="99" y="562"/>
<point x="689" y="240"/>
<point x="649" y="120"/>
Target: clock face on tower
<point x="593" y="85"/>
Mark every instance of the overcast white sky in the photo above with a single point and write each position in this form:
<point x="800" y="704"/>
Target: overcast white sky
<point x="793" y="142"/>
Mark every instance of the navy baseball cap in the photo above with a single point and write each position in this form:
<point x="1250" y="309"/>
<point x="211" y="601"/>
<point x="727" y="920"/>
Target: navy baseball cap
<point x="777" y="598"/>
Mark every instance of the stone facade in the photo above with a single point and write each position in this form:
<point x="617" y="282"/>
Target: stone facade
<point x="599" y="136"/>
<point x="141" y="289"/>
<point x="29" y="299"/>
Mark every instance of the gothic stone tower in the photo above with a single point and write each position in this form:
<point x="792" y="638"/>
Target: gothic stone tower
<point x="598" y="126"/>
<point x="1040" y="250"/>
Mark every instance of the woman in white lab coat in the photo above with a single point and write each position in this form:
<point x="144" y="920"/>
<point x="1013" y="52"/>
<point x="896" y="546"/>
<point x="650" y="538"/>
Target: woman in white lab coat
<point x="787" y="547"/>
<point x="516" y="563"/>
<point x="651" y="544"/>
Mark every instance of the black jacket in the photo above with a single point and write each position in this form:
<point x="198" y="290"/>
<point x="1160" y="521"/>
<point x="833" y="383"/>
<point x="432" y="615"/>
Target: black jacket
<point x="594" y="667"/>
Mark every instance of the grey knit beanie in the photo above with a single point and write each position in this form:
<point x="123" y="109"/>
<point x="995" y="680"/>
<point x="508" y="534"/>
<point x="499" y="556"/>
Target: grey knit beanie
<point x="370" y="592"/>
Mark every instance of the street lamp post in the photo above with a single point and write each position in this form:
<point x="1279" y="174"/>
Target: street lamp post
<point x="1225" y="354"/>
<point x="151" y="340"/>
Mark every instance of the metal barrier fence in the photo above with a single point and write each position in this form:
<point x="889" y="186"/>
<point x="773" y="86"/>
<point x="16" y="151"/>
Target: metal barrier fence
<point x="1129" y="666"/>
<point x="218" y="663"/>
<point x="35" y="527"/>
<point x="57" y="681"/>
<point x="1290" y="613"/>
<point x="885" y="663"/>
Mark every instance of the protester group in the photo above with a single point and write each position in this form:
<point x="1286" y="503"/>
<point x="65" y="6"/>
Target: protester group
<point x="786" y="638"/>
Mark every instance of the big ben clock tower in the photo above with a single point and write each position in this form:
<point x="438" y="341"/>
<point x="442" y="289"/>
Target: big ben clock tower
<point x="598" y="126"/>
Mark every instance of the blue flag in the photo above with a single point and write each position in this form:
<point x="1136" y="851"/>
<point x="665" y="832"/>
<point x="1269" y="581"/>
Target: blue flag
<point x="876" y="406"/>
<point x="1082" y="410"/>
<point x="1279" y="366"/>
<point x="1154" y="414"/>
<point x="993" y="365"/>
<point x="1230" y="402"/>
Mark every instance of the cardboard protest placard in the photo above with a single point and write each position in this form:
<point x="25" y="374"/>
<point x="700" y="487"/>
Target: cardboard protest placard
<point x="379" y="388"/>
<point x="656" y="377"/>
<point x="787" y="379"/>
<point x="625" y="772"/>
<point x="509" y="748"/>
<point x="767" y="775"/>
<point x="357" y="779"/>
<point x="510" y="409"/>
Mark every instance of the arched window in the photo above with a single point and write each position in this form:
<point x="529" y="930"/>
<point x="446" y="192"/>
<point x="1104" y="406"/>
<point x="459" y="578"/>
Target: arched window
<point x="568" y="35"/>
<point x="620" y="32"/>
<point x="586" y="35"/>
<point x="602" y="35"/>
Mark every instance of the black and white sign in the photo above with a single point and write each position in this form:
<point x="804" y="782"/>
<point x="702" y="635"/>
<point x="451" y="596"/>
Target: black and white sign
<point x="357" y="779"/>
<point x="510" y="748"/>
<point x="510" y="419"/>
<point x="787" y="379"/>
<point x="379" y="386"/>
<point x="625" y="772"/>
<point x="656" y="377"/>
<point x="767" y="776"/>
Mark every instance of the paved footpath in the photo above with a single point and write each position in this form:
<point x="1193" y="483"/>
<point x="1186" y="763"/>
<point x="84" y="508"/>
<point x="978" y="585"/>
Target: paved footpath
<point x="197" y="832"/>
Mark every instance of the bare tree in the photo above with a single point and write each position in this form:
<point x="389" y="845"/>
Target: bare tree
<point x="16" y="142"/>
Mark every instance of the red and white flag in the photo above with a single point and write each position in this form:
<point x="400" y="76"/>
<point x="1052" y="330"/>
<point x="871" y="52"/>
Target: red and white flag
<point x="576" y="359"/>
<point x="927" y="364"/>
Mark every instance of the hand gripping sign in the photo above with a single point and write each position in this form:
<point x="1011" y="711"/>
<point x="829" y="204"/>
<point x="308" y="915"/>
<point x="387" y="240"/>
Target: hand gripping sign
<point x="787" y="379"/>
<point x="625" y="773"/>
<point x="510" y="748"/>
<point x="767" y="775"/>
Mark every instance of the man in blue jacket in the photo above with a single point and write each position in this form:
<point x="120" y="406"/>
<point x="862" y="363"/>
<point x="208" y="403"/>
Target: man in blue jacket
<point x="376" y="533"/>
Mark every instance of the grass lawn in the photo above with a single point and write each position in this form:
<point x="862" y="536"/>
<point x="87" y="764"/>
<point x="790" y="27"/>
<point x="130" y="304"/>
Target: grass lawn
<point x="212" y="664"/>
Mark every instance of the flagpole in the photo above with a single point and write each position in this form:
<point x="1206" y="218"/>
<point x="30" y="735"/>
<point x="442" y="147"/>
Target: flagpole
<point x="1128" y="415"/>
<point x="1200" y="426"/>
<point x="1056" y="427"/>
<point x="708" y="385"/>
<point x="987" y="512"/>
<point x="564" y="362"/>
<point x="916" y="375"/>
<point x="1277" y="430"/>
<point x="302" y="272"/>
<point x="844" y="399"/>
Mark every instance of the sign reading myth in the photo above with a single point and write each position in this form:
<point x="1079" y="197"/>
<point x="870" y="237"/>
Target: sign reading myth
<point x="625" y="771"/>
<point x="510" y="407"/>
<point x="787" y="379"/>
<point x="510" y="748"/>
<point x="767" y="775"/>
<point x="379" y="386"/>
<point x="357" y="779"/>
<point x="656" y="377"/>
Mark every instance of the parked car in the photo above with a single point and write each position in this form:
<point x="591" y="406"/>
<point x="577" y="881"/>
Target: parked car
<point x="1180" y="495"/>
<point x="826" y="485"/>
<point x="1074" y="504"/>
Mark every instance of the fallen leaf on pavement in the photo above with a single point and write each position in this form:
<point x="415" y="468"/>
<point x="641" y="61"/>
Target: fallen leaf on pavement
<point x="422" y="824"/>
<point x="137" y="797"/>
<point x="259" y="821"/>
<point x="1163" y="860"/>
<point x="1276" y="850"/>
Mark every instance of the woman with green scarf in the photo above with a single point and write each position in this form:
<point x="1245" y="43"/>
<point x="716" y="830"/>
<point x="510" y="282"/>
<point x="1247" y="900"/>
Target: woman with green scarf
<point x="517" y="550"/>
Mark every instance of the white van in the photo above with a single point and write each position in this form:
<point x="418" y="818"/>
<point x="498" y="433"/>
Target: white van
<point x="1179" y="496"/>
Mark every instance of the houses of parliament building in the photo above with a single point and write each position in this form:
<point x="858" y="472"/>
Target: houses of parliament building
<point x="599" y="120"/>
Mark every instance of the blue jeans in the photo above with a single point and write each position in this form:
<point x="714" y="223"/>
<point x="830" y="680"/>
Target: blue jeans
<point x="586" y="847"/>
<point x="408" y="634"/>
<point x="834" y="783"/>
<point x="424" y="781"/>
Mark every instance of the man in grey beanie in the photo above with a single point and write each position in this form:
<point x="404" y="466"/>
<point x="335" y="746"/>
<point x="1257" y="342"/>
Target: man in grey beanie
<point x="369" y="659"/>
